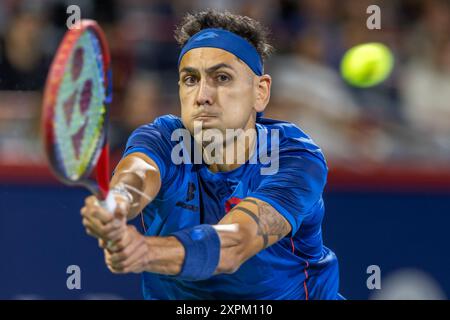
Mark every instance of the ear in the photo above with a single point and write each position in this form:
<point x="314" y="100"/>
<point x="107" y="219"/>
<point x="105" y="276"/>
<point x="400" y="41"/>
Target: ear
<point x="263" y="92"/>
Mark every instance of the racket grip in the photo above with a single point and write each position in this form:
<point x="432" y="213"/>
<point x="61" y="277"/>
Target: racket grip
<point x="109" y="203"/>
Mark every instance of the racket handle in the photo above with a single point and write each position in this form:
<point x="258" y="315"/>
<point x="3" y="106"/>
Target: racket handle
<point x="109" y="203"/>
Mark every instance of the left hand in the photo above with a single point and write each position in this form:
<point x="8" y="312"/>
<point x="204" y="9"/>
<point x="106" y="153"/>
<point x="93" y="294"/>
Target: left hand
<point x="100" y="223"/>
<point x="129" y="254"/>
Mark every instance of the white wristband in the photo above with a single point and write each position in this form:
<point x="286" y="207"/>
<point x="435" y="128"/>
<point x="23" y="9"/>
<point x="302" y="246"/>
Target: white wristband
<point x="119" y="189"/>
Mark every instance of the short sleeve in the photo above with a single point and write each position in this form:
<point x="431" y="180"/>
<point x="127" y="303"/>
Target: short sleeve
<point x="154" y="141"/>
<point x="295" y="188"/>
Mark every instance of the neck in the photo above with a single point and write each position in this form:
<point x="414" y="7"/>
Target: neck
<point x="238" y="158"/>
<point x="233" y="152"/>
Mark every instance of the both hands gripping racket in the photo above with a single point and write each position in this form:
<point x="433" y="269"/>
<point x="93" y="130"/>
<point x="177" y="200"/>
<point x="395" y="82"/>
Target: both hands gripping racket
<point x="77" y="95"/>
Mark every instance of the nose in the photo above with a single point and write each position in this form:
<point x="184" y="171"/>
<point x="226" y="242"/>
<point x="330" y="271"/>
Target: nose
<point x="205" y="95"/>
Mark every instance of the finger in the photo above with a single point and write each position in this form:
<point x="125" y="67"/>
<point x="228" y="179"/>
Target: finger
<point x="90" y="212"/>
<point x="137" y="258"/>
<point x="115" y="235"/>
<point x="112" y="227"/>
<point x="122" y="208"/>
<point x="93" y="224"/>
<point x="137" y="267"/>
<point x="97" y="229"/>
<point x="101" y="243"/>
<point x="101" y="214"/>
<point x="128" y="251"/>
<point x="107" y="256"/>
<point x="102" y="228"/>
<point x="92" y="234"/>
<point x="114" y="270"/>
<point x="137" y="264"/>
<point x="123" y="242"/>
<point x="85" y="212"/>
<point x="109" y="265"/>
<point x="90" y="229"/>
<point x="91" y="200"/>
<point x="95" y="208"/>
<point x="120" y="244"/>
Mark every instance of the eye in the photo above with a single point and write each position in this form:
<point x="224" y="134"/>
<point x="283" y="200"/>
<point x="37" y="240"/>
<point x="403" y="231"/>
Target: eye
<point x="223" y="78"/>
<point x="189" y="80"/>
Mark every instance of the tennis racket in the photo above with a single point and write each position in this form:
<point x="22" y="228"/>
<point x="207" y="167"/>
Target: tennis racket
<point x="77" y="95"/>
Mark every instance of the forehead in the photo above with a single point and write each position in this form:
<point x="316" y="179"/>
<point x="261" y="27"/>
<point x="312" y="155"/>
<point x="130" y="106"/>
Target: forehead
<point x="203" y="58"/>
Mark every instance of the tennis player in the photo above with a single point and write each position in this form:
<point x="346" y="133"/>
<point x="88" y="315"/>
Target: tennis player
<point x="219" y="229"/>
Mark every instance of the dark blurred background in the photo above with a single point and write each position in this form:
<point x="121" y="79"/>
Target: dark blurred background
<point x="388" y="147"/>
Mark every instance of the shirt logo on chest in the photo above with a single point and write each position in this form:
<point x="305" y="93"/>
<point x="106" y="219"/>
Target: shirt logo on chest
<point x="189" y="197"/>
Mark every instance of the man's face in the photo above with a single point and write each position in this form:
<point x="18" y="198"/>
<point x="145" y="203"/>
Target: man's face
<point x="217" y="89"/>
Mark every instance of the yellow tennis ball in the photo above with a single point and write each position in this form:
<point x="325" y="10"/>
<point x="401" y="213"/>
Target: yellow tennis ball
<point x="367" y="64"/>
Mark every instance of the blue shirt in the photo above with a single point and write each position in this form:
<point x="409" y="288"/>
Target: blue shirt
<point x="298" y="266"/>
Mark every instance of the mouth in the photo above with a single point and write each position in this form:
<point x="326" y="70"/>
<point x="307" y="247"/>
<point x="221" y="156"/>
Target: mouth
<point x="204" y="116"/>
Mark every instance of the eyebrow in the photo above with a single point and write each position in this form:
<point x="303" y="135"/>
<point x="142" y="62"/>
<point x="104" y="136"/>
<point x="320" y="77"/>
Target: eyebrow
<point x="209" y="70"/>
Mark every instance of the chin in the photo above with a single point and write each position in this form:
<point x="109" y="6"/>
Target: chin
<point x="208" y="123"/>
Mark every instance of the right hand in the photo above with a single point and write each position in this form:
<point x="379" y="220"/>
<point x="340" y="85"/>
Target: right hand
<point x="101" y="224"/>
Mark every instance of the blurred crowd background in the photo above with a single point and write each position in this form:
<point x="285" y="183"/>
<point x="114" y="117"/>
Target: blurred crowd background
<point x="404" y="121"/>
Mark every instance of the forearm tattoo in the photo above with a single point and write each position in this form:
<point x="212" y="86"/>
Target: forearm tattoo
<point x="268" y="220"/>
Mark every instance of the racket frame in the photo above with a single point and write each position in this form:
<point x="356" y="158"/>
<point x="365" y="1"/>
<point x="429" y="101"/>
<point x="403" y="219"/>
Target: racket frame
<point x="100" y="159"/>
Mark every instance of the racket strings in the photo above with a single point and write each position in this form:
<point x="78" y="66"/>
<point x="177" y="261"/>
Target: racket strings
<point x="80" y="108"/>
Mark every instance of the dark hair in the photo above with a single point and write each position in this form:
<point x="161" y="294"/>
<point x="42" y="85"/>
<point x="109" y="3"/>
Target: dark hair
<point x="246" y="27"/>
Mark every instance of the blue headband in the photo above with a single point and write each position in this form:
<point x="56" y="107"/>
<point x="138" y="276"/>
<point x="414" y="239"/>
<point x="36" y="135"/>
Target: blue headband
<point x="228" y="41"/>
